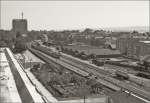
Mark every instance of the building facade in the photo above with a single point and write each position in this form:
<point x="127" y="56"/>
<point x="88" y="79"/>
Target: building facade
<point x="133" y="47"/>
<point x="142" y="48"/>
<point x="20" y="25"/>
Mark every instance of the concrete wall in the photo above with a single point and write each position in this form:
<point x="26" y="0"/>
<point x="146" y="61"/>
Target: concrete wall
<point x="21" y="82"/>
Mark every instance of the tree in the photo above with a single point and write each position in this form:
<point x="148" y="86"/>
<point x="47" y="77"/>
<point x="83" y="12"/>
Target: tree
<point x="3" y="44"/>
<point x="87" y="31"/>
<point x="83" y="91"/>
<point x="92" y="56"/>
<point x="135" y="32"/>
<point x="55" y="80"/>
<point x="20" y="45"/>
<point x="73" y="78"/>
<point x="18" y="34"/>
<point x="146" y="65"/>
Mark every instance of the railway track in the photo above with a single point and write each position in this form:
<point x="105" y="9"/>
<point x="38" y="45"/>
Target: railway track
<point x="104" y="71"/>
<point x="125" y="84"/>
<point x="75" y="69"/>
<point x="75" y="62"/>
<point x="125" y="87"/>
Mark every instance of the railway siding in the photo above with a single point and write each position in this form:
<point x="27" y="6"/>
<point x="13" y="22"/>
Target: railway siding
<point x="137" y="91"/>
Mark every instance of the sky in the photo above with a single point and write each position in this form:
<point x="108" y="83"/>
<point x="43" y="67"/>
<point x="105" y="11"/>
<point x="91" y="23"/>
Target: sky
<point x="59" y="15"/>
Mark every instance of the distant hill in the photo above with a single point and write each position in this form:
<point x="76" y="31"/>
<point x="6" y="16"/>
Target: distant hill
<point x="137" y="28"/>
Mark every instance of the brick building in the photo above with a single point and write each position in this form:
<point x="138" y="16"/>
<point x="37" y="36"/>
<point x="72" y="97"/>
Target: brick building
<point x="133" y="47"/>
<point x="142" y="48"/>
<point x="19" y="25"/>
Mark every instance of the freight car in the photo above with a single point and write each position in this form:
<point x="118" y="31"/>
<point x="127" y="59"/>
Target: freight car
<point x="122" y="75"/>
<point x="98" y="62"/>
<point x="143" y="75"/>
<point x="47" y="51"/>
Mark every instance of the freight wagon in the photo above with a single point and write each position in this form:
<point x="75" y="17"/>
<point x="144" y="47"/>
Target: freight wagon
<point x="47" y="51"/>
<point x="122" y="75"/>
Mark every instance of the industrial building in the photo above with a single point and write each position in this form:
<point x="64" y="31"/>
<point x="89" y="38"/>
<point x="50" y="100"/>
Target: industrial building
<point x="133" y="47"/>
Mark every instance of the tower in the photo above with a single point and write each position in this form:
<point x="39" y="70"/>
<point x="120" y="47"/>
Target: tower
<point x="22" y="15"/>
<point x="20" y="25"/>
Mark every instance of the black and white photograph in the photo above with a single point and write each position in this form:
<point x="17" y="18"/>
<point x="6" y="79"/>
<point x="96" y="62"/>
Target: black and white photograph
<point x="74" y="51"/>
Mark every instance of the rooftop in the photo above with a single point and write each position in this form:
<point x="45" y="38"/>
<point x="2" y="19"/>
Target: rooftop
<point x="95" y="50"/>
<point x="19" y="19"/>
<point x="146" y="42"/>
<point x="15" y="86"/>
<point x="9" y="92"/>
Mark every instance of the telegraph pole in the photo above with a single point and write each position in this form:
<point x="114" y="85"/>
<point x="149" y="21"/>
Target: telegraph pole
<point x="84" y="98"/>
<point x="22" y="15"/>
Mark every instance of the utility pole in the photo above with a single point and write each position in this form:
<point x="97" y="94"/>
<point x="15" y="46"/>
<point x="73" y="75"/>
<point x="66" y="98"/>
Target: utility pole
<point x="24" y="60"/>
<point x="84" y="98"/>
<point x="30" y="62"/>
<point x="104" y="63"/>
<point x="0" y="57"/>
<point x="22" y="15"/>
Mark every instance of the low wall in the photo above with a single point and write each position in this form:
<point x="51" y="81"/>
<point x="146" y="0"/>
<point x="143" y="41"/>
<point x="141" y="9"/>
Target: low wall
<point x="24" y="93"/>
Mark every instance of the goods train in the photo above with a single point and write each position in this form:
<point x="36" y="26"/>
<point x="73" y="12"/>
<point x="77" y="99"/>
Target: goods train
<point x="122" y="75"/>
<point x="98" y="62"/>
<point x="143" y="75"/>
<point x="134" y="78"/>
<point x="75" y="53"/>
<point x="125" y="76"/>
<point x="49" y="51"/>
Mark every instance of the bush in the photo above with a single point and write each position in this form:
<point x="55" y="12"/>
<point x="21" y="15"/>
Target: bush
<point x="3" y="44"/>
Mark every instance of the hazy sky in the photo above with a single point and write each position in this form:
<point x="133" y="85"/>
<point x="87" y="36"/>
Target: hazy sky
<point x="75" y="14"/>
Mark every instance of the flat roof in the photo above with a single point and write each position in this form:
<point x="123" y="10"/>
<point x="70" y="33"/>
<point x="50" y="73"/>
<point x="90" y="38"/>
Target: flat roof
<point x="19" y="19"/>
<point x="90" y="50"/>
<point x="8" y="89"/>
<point x="36" y="97"/>
<point x="147" y="42"/>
